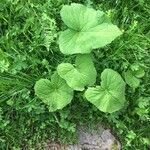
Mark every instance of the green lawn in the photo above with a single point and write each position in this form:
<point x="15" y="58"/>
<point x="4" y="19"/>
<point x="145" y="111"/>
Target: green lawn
<point x="29" y="50"/>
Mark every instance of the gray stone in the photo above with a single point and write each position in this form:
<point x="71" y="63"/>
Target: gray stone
<point x="99" y="139"/>
<point x="90" y="139"/>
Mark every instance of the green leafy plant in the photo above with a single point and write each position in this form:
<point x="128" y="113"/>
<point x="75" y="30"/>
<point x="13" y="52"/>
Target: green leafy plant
<point x="78" y="76"/>
<point x="55" y="93"/>
<point x="28" y="41"/>
<point x="110" y="96"/>
<point x="88" y="29"/>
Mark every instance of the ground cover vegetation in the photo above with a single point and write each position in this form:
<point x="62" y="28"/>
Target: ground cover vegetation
<point x="57" y="72"/>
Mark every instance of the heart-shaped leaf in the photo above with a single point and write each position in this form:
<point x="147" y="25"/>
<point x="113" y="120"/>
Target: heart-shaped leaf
<point x="55" y="93"/>
<point x="110" y="96"/>
<point x="88" y="29"/>
<point x="80" y="75"/>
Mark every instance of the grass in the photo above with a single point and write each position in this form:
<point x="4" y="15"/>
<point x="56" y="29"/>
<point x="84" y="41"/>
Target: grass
<point x="28" y="41"/>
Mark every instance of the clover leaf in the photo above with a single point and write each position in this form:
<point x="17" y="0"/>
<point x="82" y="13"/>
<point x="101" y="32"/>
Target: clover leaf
<point x="133" y="75"/>
<point x="55" y="93"/>
<point x="131" y="79"/>
<point x="88" y="29"/>
<point x="110" y="96"/>
<point x="137" y="70"/>
<point x="80" y="75"/>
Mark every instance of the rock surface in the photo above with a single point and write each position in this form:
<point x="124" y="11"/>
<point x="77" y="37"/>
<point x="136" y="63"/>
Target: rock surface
<point x="99" y="139"/>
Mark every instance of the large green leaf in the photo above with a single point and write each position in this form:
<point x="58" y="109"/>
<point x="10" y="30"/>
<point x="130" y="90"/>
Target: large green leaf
<point x="55" y="93"/>
<point x="80" y="18"/>
<point x="88" y="29"/>
<point x="80" y="75"/>
<point x="110" y="96"/>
